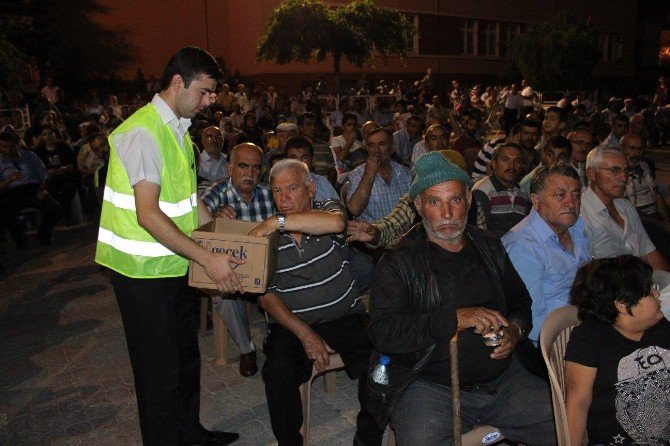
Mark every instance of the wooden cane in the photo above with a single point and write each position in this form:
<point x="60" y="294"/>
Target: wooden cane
<point x="455" y="389"/>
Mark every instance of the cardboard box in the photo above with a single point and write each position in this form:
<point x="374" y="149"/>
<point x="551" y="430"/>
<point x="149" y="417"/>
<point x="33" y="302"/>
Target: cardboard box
<point x="230" y="236"/>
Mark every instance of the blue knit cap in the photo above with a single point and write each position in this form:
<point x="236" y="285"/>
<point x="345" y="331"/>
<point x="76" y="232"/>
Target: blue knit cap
<point x="433" y="168"/>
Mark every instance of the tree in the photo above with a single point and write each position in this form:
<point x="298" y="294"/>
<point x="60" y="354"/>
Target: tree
<point x="11" y="57"/>
<point x="66" y="41"/>
<point x="559" y="53"/>
<point x="301" y="29"/>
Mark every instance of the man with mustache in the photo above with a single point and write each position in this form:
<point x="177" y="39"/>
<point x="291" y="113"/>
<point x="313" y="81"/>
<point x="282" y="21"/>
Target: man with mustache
<point x="241" y="197"/>
<point x="445" y="277"/>
<point x="312" y="302"/>
<point x="581" y="141"/>
<point x="498" y="201"/>
<point x="548" y="246"/>
<point x="377" y="185"/>
<point x="527" y="138"/>
<point x="612" y="223"/>
<point x="641" y="190"/>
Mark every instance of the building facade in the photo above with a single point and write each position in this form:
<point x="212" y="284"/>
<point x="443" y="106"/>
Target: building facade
<point x="456" y="39"/>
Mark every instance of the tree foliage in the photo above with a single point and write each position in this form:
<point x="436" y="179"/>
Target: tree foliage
<point x="301" y="29"/>
<point x="559" y="53"/>
<point x="66" y="41"/>
<point x="11" y="57"/>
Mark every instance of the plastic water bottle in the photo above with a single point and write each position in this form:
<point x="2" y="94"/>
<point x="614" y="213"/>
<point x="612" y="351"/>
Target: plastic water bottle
<point x="380" y="372"/>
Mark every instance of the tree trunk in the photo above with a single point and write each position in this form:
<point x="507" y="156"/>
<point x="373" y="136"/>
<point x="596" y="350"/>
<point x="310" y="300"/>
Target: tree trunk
<point x="336" y="65"/>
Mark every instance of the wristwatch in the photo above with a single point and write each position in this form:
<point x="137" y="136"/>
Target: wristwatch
<point x="281" y="218"/>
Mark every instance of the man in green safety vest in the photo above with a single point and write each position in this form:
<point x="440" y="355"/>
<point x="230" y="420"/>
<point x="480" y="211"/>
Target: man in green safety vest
<point x="149" y="211"/>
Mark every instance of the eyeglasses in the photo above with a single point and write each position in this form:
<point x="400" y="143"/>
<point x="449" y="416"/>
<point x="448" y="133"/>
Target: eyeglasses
<point x="616" y="170"/>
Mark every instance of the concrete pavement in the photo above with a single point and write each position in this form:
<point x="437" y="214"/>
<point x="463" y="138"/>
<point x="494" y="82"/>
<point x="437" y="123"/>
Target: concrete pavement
<point x="65" y="377"/>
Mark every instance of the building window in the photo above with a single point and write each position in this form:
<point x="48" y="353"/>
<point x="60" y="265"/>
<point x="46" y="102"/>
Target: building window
<point x="413" y="44"/>
<point x="611" y="47"/>
<point x="508" y="32"/>
<point x="469" y="31"/>
<point x="487" y="38"/>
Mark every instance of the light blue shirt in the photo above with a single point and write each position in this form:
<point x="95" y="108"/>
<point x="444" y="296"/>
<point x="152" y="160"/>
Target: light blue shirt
<point x="383" y="196"/>
<point x="324" y="190"/>
<point x="546" y="268"/>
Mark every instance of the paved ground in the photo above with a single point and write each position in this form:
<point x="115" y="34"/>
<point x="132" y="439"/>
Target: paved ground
<point x="64" y="372"/>
<point x="65" y="376"/>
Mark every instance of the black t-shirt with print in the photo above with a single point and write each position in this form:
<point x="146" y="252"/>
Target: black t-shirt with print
<point x="631" y="391"/>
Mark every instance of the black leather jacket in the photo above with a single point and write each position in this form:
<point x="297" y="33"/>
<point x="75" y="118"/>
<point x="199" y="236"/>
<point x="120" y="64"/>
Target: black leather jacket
<point x="408" y="313"/>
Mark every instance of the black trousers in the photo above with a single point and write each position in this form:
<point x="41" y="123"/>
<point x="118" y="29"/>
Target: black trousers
<point x="161" y="332"/>
<point x="287" y="367"/>
<point x="13" y="201"/>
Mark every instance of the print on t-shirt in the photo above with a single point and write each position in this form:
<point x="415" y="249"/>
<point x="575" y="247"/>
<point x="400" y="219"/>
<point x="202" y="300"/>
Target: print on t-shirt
<point x="643" y="396"/>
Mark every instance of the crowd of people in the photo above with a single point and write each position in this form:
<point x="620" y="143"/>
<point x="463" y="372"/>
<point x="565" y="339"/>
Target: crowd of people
<point x="477" y="213"/>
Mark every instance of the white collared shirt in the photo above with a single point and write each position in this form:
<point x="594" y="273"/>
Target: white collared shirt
<point x="138" y="151"/>
<point x="608" y="239"/>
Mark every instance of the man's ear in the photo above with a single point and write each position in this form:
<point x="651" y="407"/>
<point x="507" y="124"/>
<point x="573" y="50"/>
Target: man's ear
<point x="417" y="205"/>
<point x="535" y="199"/>
<point x="311" y="188"/>
<point x="177" y="82"/>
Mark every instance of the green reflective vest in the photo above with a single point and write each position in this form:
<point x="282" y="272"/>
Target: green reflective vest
<point x="123" y="245"/>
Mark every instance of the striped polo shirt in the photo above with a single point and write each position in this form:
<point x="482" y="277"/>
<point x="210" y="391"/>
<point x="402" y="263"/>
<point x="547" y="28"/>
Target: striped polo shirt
<point x="313" y="278"/>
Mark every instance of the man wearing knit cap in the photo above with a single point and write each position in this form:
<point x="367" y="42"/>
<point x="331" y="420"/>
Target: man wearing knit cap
<point x="446" y="277"/>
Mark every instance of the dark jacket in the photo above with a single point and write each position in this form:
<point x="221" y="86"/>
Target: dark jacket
<point x="410" y="316"/>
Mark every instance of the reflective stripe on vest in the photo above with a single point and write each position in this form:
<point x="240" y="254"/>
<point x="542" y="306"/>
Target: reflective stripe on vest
<point x="172" y="210"/>
<point x="133" y="247"/>
<point x="125" y="246"/>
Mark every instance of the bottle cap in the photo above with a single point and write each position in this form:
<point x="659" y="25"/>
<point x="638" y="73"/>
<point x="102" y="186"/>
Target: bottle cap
<point x="384" y="360"/>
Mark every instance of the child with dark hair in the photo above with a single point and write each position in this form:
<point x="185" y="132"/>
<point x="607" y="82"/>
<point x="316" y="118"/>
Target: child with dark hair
<point x="617" y="369"/>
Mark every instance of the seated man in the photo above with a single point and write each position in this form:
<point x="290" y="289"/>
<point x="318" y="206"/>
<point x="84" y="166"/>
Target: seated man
<point x="641" y="190"/>
<point x="60" y="161"/>
<point x="468" y="138"/>
<point x="323" y="159"/>
<point x="581" y="142"/>
<point x="312" y="302"/>
<point x="241" y="197"/>
<point x="403" y="216"/>
<point x="406" y="138"/>
<point x="22" y="179"/>
<point x="442" y="277"/>
<point x="92" y="163"/>
<point x="527" y="138"/>
<point x="612" y="223"/>
<point x="548" y="246"/>
<point x="557" y="149"/>
<point x="300" y="148"/>
<point x="212" y="163"/>
<point x="436" y="138"/>
<point x="498" y="201"/>
<point x="619" y="125"/>
<point x="377" y="185"/>
<point x="348" y="151"/>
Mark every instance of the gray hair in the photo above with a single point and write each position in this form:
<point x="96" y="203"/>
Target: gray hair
<point x="539" y="180"/>
<point x="290" y="163"/>
<point x="595" y="157"/>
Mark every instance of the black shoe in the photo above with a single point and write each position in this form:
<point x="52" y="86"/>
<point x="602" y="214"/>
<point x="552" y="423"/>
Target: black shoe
<point x="218" y="438"/>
